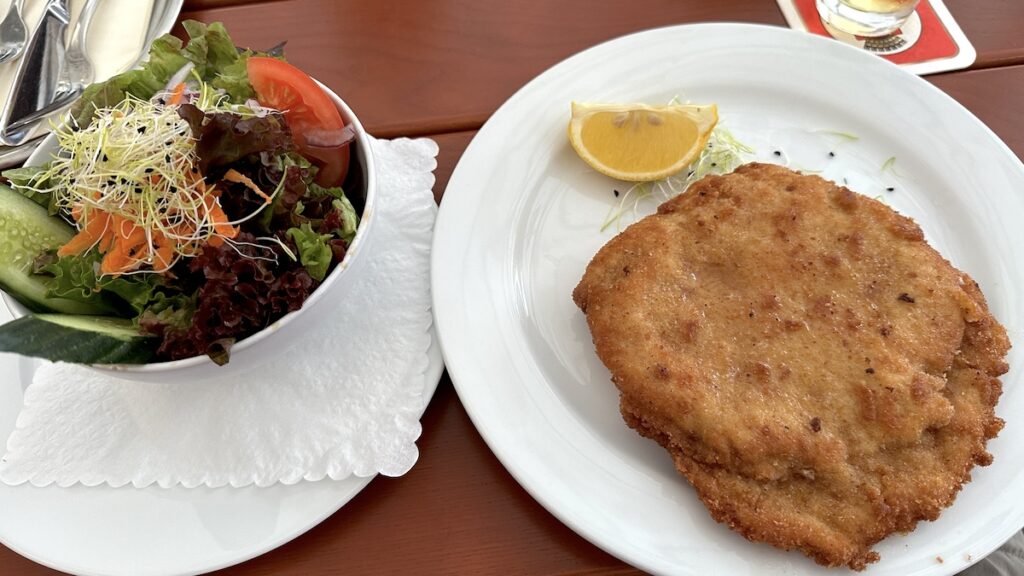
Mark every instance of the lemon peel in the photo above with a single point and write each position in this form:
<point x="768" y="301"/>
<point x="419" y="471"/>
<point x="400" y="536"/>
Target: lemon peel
<point x="639" y="142"/>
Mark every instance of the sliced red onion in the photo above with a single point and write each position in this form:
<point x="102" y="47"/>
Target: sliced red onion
<point x="258" y="109"/>
<point x="330" y="138"/>
<point x="179" y="76"/>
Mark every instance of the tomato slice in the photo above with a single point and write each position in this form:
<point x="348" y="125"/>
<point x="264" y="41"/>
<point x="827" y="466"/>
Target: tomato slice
<point x="308" y="111"/>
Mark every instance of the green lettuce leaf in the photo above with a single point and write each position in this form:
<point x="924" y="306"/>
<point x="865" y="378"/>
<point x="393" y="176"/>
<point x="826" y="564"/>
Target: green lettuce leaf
<point x="209" y="48"/>
<point x="316" y="190"/>
<point x="234" y="80"/>
<point x="165" y="58"/>
<point x="76" y="278"/>
<point x="172" y="312"/>
<point x="345" y="221"/>
<point x="217" y="60"/>
<point x="349" y="219"/>
<point x="314" y="252"/>
<point x="23" y="180"/>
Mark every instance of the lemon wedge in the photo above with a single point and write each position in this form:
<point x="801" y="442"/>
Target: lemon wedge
<point x="637" y="142"/>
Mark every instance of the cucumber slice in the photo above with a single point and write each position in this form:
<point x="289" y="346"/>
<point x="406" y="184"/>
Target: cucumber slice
<point x="26" y="230"/>
<point x="82" y="339"/>
<point x="30" y="291"/>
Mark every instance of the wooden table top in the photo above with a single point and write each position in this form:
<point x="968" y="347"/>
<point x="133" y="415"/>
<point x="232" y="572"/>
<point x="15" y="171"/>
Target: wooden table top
<point x="439" y="68"/>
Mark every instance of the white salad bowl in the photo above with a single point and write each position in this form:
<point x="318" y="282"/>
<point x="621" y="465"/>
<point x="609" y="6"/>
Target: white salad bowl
<point x="272" y="343"/>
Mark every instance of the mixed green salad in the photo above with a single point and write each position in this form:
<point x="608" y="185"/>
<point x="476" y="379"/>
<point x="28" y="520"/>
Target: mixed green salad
<point x="193" y="201"/>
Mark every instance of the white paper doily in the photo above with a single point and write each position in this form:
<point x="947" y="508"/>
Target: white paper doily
<point x="343" y="400"/>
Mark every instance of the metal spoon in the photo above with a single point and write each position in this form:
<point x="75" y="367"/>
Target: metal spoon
<point x="12" y="33"/>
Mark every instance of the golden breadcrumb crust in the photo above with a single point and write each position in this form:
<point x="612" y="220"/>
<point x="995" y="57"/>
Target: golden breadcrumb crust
<point x="819" y="373"/>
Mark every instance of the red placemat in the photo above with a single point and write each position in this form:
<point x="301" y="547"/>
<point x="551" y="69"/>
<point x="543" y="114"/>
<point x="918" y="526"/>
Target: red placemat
<point x="929" y="41"/>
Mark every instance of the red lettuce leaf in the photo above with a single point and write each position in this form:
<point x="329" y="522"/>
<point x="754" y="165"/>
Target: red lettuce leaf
<point x="223" y="138"/>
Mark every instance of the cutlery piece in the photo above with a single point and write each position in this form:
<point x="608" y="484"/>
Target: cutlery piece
<point x="74" y="78"/>
<point x="36" y="80"/>
<point x="27" y="123"/>
<point x="15" y="156"/>
<point x="77" y="71"/>
<point x="13" y="35"/>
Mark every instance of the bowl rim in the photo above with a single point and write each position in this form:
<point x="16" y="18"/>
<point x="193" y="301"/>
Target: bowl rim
<point x="362" y="232"/>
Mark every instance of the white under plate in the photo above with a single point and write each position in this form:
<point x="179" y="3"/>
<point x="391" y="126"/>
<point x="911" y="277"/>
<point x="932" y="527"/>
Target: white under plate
<point x="158" y="531"/>
<point x="521" y="219"/>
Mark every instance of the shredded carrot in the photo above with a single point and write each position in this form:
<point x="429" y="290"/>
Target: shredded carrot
<point x="126" y="245"/>
<point x="178" y="94"/>
<point x="219" y="219"/>
<point x="93" y="233"/>
<point x="164" y="255"/>
<point x="128" y="248"/>
<point x="233" y="175"/>
<point x="117" y="263"/>
<point x="128" y="232"/>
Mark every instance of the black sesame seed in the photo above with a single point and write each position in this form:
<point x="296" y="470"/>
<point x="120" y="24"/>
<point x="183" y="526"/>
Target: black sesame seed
<point x="890" y="189"/>
<point x="869" y="370"/>
<point x="167" y="158"/>
<point x="616" y="192"/>
<point x="105" y="158"/>
<point x="141" y="129"/>
<point x="149" y="170"/>
<point x="831" y="154"/>
<point x="777" y="153"/>
<point x="713" y="164"/>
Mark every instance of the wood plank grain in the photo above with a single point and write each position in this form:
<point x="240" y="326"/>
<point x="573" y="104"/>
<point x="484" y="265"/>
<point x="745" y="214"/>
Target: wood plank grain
<point x="994" y="28"/>
<point x="446" y="65"/>
<point x="459" y="511"/>
<point x="451" y="148"/>
<point x="191" y="5"/>
<point x="994" y="96"/>
<point x="15" y="565"/>
<point x="442" y="66"/>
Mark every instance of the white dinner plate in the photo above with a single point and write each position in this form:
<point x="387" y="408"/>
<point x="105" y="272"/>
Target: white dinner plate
<point x="158" y="531"/>
<point x="521" y="218"/>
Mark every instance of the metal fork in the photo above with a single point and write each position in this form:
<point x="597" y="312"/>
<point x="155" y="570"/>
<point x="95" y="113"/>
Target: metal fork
<point x="13" y="36"/>
<point x="77" y="71"/>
